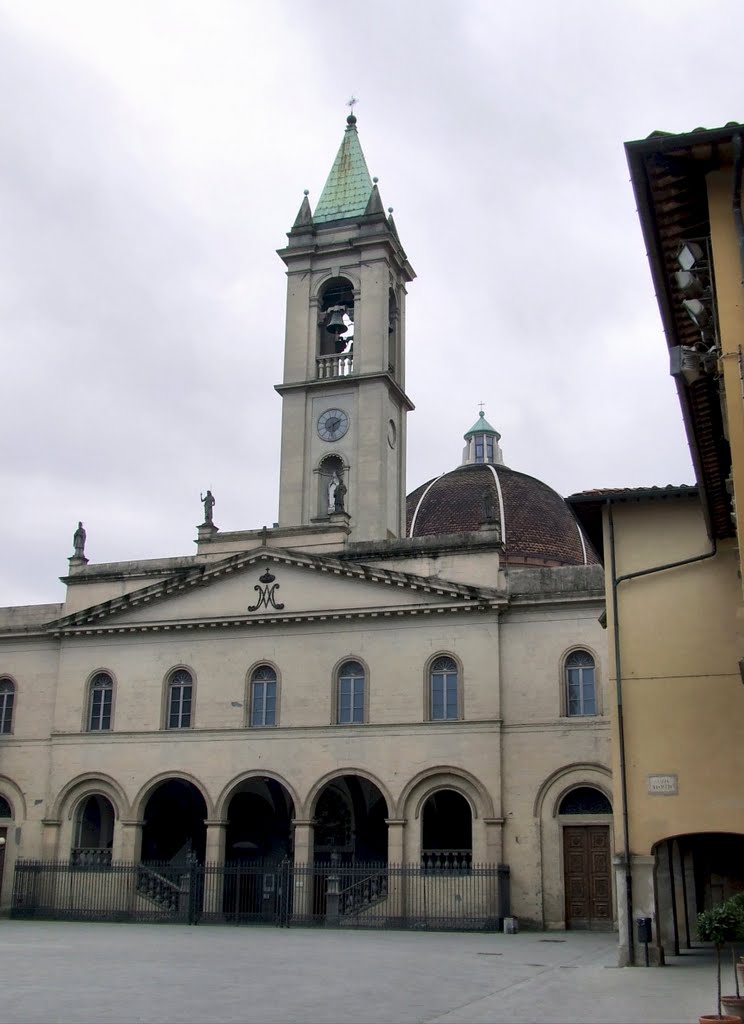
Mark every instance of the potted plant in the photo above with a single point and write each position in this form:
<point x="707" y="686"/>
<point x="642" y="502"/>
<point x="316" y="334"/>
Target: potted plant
<point x="719" y="925"/>
<point x="734" y="1005"/>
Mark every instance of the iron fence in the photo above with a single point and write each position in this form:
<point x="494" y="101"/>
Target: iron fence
<point x="434" y="895"/>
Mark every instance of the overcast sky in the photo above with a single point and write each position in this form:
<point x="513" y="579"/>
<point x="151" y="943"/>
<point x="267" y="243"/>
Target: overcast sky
<point x="152" y="156"/>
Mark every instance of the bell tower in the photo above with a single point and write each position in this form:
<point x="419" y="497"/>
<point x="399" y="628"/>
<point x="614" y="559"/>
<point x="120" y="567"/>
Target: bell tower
<point x="344" y="404"/>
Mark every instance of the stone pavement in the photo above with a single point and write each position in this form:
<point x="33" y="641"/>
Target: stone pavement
<point x="55" y="972"/>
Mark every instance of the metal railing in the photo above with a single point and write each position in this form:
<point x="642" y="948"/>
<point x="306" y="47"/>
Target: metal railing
<point x="280" y="893"/>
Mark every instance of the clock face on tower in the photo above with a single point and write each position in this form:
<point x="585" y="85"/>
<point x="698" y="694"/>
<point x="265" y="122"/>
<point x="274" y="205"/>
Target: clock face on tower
<point x="332" y="424"/>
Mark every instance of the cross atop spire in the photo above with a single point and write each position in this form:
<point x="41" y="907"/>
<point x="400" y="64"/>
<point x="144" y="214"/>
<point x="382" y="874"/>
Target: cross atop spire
<point x="347" y="191"/>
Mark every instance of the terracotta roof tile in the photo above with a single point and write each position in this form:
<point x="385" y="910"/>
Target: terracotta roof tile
<point x="540" y="528"/>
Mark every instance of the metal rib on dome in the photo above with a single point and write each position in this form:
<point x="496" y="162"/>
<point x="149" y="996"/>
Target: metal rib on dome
<point x="538" y="526"/>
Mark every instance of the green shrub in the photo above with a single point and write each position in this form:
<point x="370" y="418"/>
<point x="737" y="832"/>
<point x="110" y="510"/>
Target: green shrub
<point x="720" y="925"/>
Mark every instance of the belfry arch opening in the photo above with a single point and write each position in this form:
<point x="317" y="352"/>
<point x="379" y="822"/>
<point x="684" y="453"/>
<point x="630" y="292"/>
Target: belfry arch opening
<point x="174" y="827"/>
<point x="350" y="824"/>
<point x="392" y="332"/>
<point x="446" y="830"/>
<point x="336" y="317"/>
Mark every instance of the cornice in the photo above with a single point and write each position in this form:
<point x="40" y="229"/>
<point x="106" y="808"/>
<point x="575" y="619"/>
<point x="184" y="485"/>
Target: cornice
<point x="241" y="622"/>
<point x="98" y="619"/>
<point x="351" y="380"/>
<point x="233" y="734"/>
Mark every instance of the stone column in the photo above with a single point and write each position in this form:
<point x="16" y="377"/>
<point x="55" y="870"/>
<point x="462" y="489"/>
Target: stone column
<point x="127" y="841"/>
<point x="494" y="840"/>
<point x="643" y="905"/>
<point x="47" y="894"/>
<point x="216" y="834"/>
<point x="214" y="867"/>
<point x="128" y="850"/>
<point x="304" y="878"/>
<point x="396" y="870"/>
<point x="496" y="900"/>
<point x="50" y="838"/>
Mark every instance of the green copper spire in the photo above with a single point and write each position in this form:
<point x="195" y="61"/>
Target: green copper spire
<point x="347" y="191"/>
<point x="482" y="426"/>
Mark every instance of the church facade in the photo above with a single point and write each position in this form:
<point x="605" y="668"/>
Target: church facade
<point x="379" y="679"/>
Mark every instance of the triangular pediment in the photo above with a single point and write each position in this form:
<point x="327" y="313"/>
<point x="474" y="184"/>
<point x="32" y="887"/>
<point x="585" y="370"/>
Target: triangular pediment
<point x="275" y="585"/>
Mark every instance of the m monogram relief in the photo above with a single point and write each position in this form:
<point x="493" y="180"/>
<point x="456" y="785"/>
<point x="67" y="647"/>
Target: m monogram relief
<point x="267" y="589"/>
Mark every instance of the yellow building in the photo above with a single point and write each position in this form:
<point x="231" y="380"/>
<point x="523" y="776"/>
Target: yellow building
<point x="673" y="579"/>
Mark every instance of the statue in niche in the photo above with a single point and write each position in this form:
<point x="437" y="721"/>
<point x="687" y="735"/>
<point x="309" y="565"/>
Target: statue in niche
<point x="332" y="488"/>
<point x="209" y="503"/>
<point x="340" y="496"/>
<point x="336" y="494"/>
<point x="78" y="542"/>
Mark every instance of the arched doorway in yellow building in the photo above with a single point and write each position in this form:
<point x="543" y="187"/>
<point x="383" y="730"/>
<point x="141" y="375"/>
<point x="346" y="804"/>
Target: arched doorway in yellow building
<point x="693" y="872"/>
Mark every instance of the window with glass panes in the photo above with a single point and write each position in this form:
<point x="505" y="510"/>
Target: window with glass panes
<point x="263" y="696"/>
<point x="7" y="699"/>
<point x="101" y="694"/>
<point x="180" y="690"/>
<point x="350" y="693"/>
<point x="581" y="697"/>
<point x="443" y="689"/>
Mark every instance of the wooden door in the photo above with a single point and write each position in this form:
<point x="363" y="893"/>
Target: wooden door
<point x="588" y="886"/>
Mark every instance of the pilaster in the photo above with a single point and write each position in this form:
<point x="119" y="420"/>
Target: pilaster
<point x="127" y="841"/>
<point x="396" y="859"/>
<point x="302" y="903"/>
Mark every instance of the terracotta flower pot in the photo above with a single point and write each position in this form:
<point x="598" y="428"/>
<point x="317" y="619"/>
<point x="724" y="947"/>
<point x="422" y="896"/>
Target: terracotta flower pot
<point x="723" y="1019"/>
<point x="733" y="1005"/>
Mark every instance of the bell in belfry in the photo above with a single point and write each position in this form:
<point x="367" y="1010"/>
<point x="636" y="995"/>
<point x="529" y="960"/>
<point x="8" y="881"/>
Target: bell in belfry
<point x="336" y="323"/>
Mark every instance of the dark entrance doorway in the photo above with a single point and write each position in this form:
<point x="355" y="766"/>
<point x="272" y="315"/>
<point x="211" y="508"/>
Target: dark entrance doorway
<point x="588" y="884"/>
<point x="350" y="815"/>
<point x="258" y="852"/>
<point x="174" y="828"/>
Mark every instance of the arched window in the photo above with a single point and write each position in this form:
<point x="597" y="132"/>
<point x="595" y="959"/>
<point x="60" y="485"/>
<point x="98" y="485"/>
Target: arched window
<point x="350" y="695"/>
<point x="581" y="696"/>
<point x="99" y="702"/>
<point x="263" y="696"/>
<point x="94" y="832"/>
<point x="7" y="699"/>
<point x="180" y="692"/>
<point x="6" y="811"/>
<point x="585" y="800"/>
<point x="447" y="831"/>
<point x="444" y="698"/>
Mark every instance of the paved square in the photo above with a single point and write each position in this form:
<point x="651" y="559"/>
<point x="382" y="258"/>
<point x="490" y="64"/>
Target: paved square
<point x="124" y="973"/>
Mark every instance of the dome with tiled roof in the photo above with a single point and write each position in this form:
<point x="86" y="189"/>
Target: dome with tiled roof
<point x="533" y="521"/>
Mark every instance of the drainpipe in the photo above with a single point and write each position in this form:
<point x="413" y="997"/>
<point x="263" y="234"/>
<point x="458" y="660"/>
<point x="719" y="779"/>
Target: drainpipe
<point x="615" y="581"/>
<point x="736" y="199"/>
